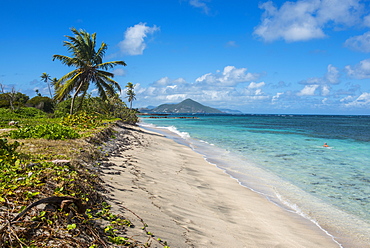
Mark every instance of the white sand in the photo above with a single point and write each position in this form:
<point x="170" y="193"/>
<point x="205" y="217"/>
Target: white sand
<point x="191" y="203"/>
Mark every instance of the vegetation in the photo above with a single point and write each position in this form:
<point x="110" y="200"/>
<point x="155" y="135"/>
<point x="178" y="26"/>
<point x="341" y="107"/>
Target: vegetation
<point x="46" y="131"/>
<point x="41" y="102"/>
<point x="11" y="99"/>
<point x="90" y="68"/>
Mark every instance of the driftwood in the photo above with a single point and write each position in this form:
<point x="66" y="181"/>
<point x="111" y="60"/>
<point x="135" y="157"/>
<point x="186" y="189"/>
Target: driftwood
<point x="61" y="202"/>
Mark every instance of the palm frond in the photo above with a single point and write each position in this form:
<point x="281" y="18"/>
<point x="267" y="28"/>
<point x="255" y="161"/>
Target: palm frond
<point x="109" y="80"/>
<point x="110" y="65"/>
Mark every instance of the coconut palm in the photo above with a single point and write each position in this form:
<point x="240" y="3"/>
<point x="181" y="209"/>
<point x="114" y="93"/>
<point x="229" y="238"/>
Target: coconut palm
<point x="46" y="77"/>
<point x="130" y="94"/>
<point x="90" y="68"/>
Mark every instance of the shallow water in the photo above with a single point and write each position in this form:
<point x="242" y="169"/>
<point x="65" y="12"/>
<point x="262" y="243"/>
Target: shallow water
<point x="283" y="158"/>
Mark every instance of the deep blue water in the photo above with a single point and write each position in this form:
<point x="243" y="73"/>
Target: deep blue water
<point x="282" y="157"/>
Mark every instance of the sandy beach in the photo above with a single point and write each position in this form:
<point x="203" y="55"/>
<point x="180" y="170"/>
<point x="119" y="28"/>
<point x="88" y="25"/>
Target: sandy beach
<point x="191" y="203"/>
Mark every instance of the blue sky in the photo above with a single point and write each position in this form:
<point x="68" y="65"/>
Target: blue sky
<point x="287" y="57"/>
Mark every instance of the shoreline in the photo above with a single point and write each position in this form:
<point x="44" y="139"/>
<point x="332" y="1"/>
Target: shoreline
<point x="189" y="202"/>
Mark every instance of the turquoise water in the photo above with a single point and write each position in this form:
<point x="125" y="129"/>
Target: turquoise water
<point x="283" y="158"/>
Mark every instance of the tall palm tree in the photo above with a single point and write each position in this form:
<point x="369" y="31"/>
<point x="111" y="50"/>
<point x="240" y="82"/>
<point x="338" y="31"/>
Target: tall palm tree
<point x="130" y="94"/>
<point x="46" y="77"/>
<point x="90" y="68"/>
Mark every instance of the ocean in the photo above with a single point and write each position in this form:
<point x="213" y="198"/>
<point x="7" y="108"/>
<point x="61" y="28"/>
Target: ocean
<point x="283" y="158"/>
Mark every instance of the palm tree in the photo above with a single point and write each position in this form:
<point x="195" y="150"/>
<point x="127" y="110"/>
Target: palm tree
<point x="89" y="68"/>
<point x="46" y="77"/>
<point x="130" y="94"/>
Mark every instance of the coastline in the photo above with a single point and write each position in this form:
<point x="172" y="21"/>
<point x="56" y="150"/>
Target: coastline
<point x="188" y="202"/>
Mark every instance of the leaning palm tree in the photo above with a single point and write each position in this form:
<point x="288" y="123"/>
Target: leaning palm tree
<point x="46" y="78"/>
<point x="130" y="94"/>
<point x="89" y="68"/>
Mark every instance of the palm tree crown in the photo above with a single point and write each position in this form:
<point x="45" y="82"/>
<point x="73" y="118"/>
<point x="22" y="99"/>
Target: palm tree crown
<point x="90" y="68"/>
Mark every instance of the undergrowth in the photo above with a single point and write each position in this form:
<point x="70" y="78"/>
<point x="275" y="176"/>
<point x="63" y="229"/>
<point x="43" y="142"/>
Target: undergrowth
<point x="27" y="177"/>
<point x="45" y="131"/>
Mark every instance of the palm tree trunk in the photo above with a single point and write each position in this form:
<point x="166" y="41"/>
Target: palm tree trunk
<point x="74" y="97"/>
<point x="72" y="103"/>
<point x="82" y="98"/>
<point x="51" y="96"/>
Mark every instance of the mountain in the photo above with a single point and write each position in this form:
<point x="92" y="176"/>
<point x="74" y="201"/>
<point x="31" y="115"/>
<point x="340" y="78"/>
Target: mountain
<point x="187" y="106"/>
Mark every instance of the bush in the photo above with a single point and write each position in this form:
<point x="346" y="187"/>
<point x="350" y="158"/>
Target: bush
<point x="45" y="131"/>
<point x="22" y="115"/>
<point x="129" y="116"/>
<point x="41" y="102"/>
<point x="81" y="120"/>
<point x="29" y="113"/>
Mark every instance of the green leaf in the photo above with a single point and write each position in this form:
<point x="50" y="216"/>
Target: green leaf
<point x="71" y="227"/>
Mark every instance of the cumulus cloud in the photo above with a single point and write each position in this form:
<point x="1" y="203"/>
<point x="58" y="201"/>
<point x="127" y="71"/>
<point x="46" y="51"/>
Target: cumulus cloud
<point x="308" y="90"/>
<point x="220" y="88"/>
<point x="230" y="76"/>
<point x="362" y="101"/>
<point x="331" y="77"/>
<point x="254" y="85"/>
<point x="359" y="43"/>
<point x="134" y="38"/>
<point x="276" y="97"/>
<point x="306" y="19"/>
<point x="359" y="71"/>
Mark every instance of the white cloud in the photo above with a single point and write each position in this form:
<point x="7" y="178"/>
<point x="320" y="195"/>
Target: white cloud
<point x="254" y="85"/>
<point x="200" y="4"/>
<point x="359" y="71"/>
<point x="163" y="81"/>
<point x="362" y="101"/>
<point x="306" y="19"/>
<point x="308" y="90"/>
<point x="276" y="97"/>
<point x="215" y="89"/>
<point x="325" y="90"/>
<point x="230" y="76"/>
<point x="359" y="43"/>
<point x="134" y="43"/>
<point x="342" y="12"/>
<point x="331" y="77"/>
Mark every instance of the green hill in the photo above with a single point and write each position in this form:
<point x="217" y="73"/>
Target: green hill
<point x="187" y="106"/>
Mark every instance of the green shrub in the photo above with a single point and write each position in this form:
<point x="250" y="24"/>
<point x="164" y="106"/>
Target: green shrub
<point x="30" y="113"/>
<point x="22" y="115"/>
<point x="45" y="131"/>
<point x="128" y="116"/>
<point x="81" y="120"/>
<point x="41" y="102"/>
